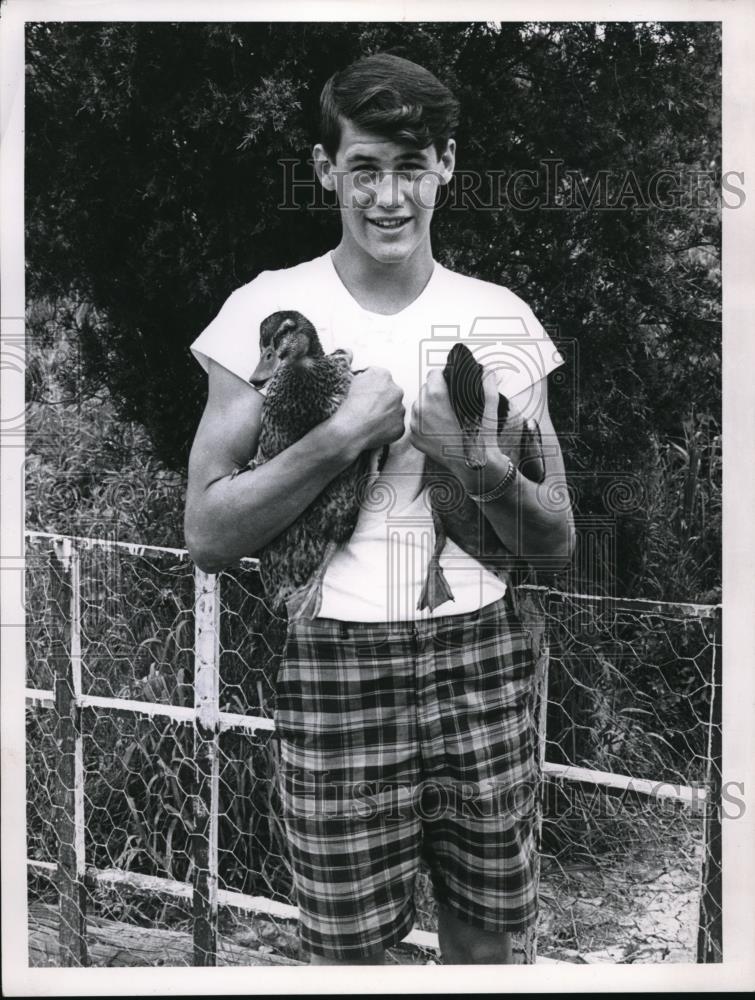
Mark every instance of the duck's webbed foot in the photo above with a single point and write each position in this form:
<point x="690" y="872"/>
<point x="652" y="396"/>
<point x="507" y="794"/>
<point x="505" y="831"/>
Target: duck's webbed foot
<point x="436" y="590"/>
<point x="250" y="466"/>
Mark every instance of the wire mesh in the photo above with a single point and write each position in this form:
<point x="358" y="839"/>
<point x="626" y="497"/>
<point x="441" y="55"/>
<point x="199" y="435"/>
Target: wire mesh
<point x="629" y="698"/>
<point x="628" y="837"/>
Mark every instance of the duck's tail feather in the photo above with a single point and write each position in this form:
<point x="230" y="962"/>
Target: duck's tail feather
<point x="305" y="602"/>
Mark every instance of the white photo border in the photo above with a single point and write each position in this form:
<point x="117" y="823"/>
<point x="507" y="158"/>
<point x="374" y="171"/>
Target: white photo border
<point x="737" y="972"/>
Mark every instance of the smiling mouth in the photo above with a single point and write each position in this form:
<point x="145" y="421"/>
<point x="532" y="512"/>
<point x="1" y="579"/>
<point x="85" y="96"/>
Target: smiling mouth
<point x="389" y="225"/>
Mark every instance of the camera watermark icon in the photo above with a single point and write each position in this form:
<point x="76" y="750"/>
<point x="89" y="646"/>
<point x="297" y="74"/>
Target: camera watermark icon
<point x="520" y="352"/>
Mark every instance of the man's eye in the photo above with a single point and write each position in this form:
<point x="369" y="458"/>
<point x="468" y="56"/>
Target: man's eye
<point x="410" y="171"/>
<point x="366" y="175"/>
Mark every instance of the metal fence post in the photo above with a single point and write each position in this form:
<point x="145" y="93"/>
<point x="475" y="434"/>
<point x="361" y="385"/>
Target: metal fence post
<point x="206" y="763"/>
<point x="66" y="655"/>
<point x="532" y="612"/>
<point x="710" y="926"/>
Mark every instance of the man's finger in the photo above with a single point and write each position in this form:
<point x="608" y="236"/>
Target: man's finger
<point x="490" y="388"/>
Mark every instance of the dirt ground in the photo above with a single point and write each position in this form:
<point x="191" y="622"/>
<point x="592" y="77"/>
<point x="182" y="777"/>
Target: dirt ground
<point x="634" y="905"/>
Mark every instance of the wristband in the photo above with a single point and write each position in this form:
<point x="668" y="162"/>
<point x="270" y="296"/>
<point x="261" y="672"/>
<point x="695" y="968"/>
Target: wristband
<point x="498" y="490"/>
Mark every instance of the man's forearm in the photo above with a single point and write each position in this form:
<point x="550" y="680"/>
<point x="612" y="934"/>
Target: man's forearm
<point x="534" y="521"/>
<point x="235" y="517"/>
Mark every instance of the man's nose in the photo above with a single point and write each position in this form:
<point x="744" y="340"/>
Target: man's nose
<point x="388" y="191"/>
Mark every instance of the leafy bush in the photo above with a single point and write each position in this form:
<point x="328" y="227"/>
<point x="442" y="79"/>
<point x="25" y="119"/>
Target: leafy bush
<point x="88" y="471"/>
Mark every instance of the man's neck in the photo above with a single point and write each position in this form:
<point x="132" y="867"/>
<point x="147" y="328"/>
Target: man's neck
<point x="383" y="288"/>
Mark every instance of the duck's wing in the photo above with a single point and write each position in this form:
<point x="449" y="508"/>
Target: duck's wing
<point x="305" y="602"/>
<point x="289" y="561"/>
<point x="293" y="564"/>
<point x="300" y="398"/>
<point x="335" y="512"/>
<point x="295" y="560"/>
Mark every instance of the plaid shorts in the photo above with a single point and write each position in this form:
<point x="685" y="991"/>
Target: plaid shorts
<point x="401" y="741"/>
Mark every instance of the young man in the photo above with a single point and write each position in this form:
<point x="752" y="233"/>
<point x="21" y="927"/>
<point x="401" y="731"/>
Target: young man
<point x="381" y="709"/>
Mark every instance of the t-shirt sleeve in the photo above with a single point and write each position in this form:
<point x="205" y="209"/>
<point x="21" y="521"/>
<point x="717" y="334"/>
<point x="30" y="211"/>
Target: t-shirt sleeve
<point x="233" y="337"/>
<point x="517" y="345"/>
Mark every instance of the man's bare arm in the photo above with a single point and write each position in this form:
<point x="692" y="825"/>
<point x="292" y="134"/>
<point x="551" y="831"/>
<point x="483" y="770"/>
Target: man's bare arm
<point x="227" y="518"/>
<point x="533" y="520"/>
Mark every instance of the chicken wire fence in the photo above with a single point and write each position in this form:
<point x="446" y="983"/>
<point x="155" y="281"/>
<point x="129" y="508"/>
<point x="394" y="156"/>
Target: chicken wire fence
<point x="153" y="821"/>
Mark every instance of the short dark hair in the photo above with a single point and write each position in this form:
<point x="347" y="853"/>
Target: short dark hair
<point x="391" y="97"/>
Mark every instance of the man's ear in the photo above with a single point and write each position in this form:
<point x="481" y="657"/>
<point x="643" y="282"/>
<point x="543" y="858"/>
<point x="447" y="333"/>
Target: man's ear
<point x="324" y="167"/>
<point x="447" y="162"/>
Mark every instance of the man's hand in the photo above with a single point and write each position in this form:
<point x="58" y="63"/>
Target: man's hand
<point x="526" y="518"/>
<point x="230" y="516"/>
<point x="435" y="430"/>
<point x="372" y="409"/>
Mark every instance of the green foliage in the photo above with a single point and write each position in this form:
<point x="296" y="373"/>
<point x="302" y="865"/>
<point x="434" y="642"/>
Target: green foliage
<point x="88" y="472"/>
<point x="684" y="515"/>
<point x="153" y="180"/>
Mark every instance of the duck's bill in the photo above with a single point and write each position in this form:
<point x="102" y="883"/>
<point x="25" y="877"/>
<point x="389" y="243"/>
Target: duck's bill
<point x="265" y="369"/>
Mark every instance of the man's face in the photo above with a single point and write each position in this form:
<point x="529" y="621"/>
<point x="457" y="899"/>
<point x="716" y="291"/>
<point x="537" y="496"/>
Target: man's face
<point x="386" y="191"/>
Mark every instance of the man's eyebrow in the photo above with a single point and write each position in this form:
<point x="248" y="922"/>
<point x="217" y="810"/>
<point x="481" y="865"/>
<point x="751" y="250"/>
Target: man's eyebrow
<point x="359" y="157"/>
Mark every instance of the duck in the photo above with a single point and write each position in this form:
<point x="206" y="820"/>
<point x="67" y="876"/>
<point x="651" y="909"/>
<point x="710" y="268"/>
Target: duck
<point x="455" y="515"/>
<point x="304" y="386"/>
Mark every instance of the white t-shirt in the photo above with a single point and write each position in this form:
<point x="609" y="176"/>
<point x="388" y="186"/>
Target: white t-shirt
<point x="379" y="573"/>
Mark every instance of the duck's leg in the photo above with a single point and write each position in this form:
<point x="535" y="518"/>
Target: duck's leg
<point x="474" y="449"/>
<point x="436" y="590"/>
<point x="382" y="457"/>
<point x="305" y="602"/>
<point x="532" y="460"/>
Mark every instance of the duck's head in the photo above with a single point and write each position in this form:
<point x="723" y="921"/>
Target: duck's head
<point x="286" y="337"/>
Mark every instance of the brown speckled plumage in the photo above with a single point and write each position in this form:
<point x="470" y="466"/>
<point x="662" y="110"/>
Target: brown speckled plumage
<point x="303" y="391"/>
